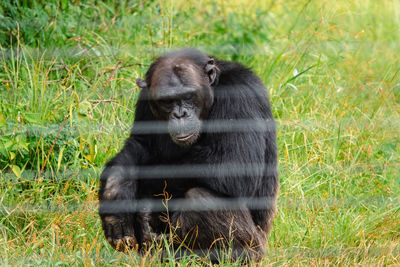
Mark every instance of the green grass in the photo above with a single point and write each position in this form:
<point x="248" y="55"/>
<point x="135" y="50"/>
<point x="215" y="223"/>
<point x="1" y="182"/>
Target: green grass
<point x="67" y="100"/>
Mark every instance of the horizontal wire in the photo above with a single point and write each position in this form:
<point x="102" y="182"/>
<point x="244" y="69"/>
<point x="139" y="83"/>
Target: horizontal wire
<point x="209" y="204"/>
<point x="188" y="171"/>
<point x="210" y="126"/>
<point x="103" y="50"/>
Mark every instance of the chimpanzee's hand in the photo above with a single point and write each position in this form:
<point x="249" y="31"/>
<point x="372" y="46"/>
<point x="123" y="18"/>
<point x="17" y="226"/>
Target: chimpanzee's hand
<point x="119" y="231"/>
<point x="117" y="197"/>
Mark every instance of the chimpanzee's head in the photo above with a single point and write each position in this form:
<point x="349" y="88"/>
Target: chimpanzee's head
<point x="180" y="90"/>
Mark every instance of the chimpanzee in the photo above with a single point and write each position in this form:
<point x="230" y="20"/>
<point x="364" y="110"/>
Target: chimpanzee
<point x="203" y="135"/>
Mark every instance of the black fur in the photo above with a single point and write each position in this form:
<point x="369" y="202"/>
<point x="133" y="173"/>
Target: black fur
<point x="239" y="96"/>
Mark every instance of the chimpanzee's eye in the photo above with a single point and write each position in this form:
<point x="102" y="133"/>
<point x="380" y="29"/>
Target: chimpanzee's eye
<point x="166" y="102"/>
<point x="188" y="97"/>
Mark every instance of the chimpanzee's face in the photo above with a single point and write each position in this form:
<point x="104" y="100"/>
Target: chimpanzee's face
<point x="181" y="94"/>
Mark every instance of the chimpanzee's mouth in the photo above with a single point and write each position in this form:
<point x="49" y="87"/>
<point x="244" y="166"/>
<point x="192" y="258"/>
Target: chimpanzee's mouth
<point x="184" y="138"/>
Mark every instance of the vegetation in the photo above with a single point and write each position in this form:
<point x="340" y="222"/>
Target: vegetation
<point x="67" y="100"/>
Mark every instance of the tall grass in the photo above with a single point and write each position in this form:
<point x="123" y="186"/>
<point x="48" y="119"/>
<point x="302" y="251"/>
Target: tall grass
<point x="67" y="101"/>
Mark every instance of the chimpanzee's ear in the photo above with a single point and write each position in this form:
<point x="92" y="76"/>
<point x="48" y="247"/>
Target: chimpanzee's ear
<point x="141" y="83"/>
<point x="212" y="71"/>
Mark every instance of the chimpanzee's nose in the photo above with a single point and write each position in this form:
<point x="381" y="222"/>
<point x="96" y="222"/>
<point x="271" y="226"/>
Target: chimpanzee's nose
<point x="179" y="113"/>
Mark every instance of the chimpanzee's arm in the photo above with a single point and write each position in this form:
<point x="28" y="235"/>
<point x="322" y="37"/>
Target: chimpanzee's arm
<point x="118" y="190"/>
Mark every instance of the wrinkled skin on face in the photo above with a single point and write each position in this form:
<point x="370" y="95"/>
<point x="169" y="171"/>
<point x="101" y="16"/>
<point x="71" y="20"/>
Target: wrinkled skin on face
<point x="181" y="94"/>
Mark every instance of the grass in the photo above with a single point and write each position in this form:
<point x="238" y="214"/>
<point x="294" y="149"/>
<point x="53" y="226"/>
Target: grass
<point x="67" y="100"/>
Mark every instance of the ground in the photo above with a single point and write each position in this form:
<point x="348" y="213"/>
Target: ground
<point x="67" y="100"/>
